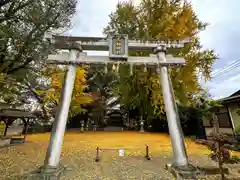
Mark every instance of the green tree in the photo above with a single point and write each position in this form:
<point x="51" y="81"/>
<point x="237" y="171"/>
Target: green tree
<point x="100" y="85"/>
<point x="23" y="50"/>
<point x="23" y="25"/>
<point x="161" y="20"/>
<point x="79" y="97"/>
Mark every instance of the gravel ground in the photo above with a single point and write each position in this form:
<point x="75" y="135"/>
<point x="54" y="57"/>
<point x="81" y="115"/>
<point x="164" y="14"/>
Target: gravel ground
<point x="78" y="155"/>
<point x="136" y="168"/>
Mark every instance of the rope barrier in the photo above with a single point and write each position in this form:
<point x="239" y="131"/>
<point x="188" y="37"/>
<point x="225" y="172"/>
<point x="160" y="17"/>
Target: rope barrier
<point x="120" y="149"/>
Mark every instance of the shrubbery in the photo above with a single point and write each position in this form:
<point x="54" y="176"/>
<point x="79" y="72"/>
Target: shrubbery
<point x="219" y="153"/>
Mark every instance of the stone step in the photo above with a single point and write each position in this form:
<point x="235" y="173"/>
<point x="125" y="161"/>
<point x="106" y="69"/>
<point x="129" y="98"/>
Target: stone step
<point x="113" y="128"/>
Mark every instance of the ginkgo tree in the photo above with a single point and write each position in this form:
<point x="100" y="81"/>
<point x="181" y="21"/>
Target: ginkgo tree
<point x="161" y="20"/>
<point x="79" y="97"/>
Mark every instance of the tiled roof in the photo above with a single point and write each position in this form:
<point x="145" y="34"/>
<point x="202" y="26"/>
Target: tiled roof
<point x="15" y="113"/>
<point x="230" y="98"/>
<point x="235" y="94"/>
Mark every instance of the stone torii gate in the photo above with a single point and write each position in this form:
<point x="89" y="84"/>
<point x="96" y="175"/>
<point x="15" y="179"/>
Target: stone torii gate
<point x="118" y="47"/>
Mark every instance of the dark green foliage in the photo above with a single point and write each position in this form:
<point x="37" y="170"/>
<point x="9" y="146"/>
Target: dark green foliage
<point x="23" y="50"/>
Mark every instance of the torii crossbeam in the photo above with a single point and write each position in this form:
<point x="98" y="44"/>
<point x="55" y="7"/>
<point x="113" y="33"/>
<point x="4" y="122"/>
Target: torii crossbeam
<point x="118" y="47"/>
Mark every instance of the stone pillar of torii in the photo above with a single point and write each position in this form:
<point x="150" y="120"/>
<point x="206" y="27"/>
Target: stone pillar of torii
<point x="118" y="47"/>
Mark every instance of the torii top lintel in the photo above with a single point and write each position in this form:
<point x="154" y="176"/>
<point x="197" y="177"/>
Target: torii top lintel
<point x="102" y="44"/>
<point x="118" y="47"/>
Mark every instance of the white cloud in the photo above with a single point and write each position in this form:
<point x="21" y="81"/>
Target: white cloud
<point x="92" y="17"/>
<point x="234" y="78"/>
<point x="223" y="35"/>
<point x="136" y="2"/>
<point x="225" y="85"/>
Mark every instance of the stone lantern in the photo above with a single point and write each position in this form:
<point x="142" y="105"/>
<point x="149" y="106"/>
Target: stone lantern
<point x="82" y="126"/>
<point x="94" y="126"/>
<point x="141" y="125"/>
<point x="86" y="128"/>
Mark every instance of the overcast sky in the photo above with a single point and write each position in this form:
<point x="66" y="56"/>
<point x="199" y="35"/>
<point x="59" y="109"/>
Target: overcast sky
<point x="222" y="35"/>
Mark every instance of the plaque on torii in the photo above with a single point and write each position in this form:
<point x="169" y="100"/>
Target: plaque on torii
<point x="118" y="47"/>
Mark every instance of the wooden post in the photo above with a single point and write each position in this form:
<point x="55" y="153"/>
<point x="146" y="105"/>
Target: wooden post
<point x="147" y="153"/>
<point x="97" y="155"/>
<point x="26" y="128"/>
<point x="6" y="123"/>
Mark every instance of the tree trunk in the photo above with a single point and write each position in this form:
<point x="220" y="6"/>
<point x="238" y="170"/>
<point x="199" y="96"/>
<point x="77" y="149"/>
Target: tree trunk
<point x="215" y="123"/>
<point x="216" y="130"/>
<point x="6" y="126"/>
<point x="5" y="131"/>
<point x="26" y="125"/>
<point x="221" y="170"/>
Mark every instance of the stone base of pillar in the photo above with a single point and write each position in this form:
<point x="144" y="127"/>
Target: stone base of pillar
<point x="141" y="130"/>
<point x="94" y="128"/>
<point x="185" y="172"/>
<point x="47" y="172"/>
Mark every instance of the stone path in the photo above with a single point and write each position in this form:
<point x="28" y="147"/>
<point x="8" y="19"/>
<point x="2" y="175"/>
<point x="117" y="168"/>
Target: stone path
<point x="134" y="168"/>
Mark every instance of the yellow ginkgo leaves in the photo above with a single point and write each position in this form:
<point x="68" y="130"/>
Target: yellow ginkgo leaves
<point x="79" y="97"/>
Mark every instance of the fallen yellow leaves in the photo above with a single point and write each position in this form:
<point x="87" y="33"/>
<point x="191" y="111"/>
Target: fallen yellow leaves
<point x="79" y="151"/>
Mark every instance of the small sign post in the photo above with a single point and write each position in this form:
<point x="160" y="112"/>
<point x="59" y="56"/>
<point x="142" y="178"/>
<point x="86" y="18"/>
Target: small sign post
<point x="121" y="152"/>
